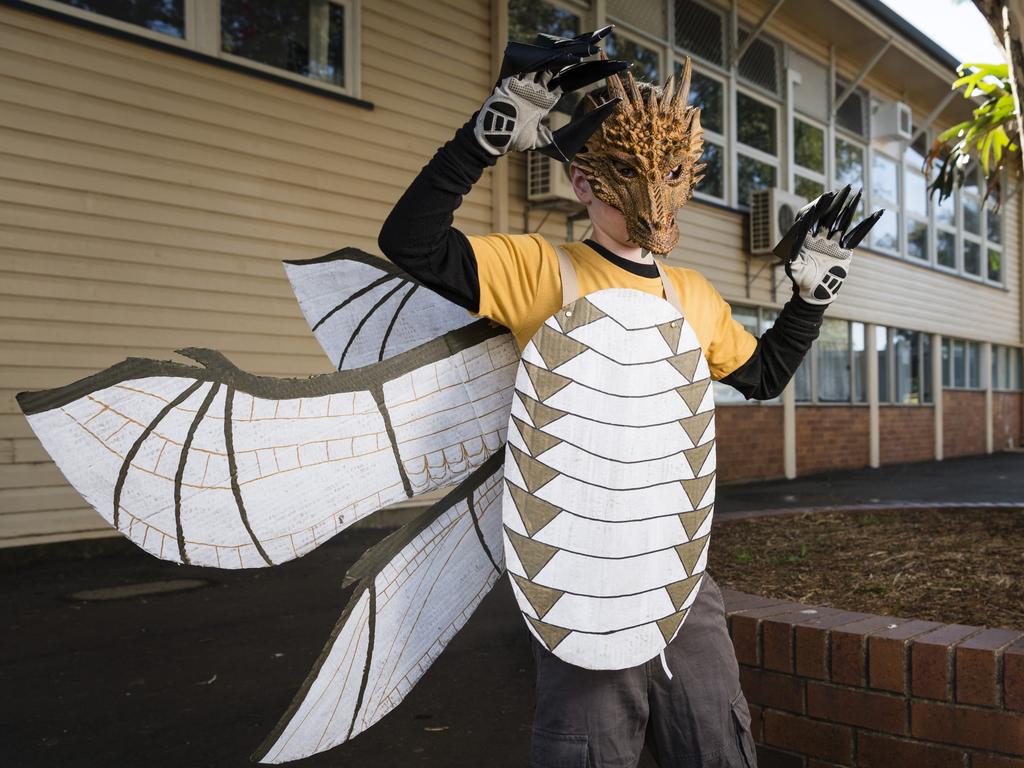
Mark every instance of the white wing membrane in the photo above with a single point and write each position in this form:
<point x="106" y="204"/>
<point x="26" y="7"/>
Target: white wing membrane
<point x="215" y="467"/>
<point x="363" y="309"/>
<point x="417" y="588"/>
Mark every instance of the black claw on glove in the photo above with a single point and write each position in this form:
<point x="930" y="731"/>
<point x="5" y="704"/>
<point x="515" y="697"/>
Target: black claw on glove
<point x="569" y="139"/>
<point x="550" y="53"/>
<point x="832" y="213"/>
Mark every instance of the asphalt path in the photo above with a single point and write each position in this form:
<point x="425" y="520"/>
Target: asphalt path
<point x="200" y="677"/>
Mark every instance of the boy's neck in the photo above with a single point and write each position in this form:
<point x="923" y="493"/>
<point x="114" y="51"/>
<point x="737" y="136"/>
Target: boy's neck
<point x="626" y="251"/>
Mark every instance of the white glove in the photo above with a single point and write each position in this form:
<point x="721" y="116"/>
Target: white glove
<point x="819" y="269"/>
<point x="511" y="118"/>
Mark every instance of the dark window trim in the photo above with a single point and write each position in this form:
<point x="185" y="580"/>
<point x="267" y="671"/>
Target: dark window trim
<point x="95" y="26"/>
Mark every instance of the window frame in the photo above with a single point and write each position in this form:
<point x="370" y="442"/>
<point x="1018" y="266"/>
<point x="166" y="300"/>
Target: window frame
<point x="798" y="170"/>
<point x="719" y="139"/>
<point x="748" y="151"/>
<point x="202" y="35"/>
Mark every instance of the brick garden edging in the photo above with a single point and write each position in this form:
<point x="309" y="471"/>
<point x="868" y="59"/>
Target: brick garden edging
<point x="839" y="688"/>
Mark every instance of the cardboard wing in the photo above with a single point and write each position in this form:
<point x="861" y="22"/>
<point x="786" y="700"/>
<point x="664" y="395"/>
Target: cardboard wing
<point x="212" y="466"/>
<point x="414" y="591"/>
<point x="362" y="309"/>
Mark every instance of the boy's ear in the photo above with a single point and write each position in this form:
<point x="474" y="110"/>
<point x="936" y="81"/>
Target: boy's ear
<point x="580" y="185"/>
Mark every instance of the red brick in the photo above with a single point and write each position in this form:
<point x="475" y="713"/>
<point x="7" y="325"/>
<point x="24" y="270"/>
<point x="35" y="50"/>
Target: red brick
<point x="772" y="690"/>
<point x="745" y="628"/>
<point x="1013" y="676"/>
<point x="931" y="661"/>
<point x="906" y="434"/>
<point x="755" y="721"/>
<point x="963" y="429"/>
<point x="734" y="425"/>
<point x="775" y="758"/>
<point x="811" y="640"/>
<point x="980" y="728"/>
<point x="777" y="641"/>
<point x="887" y="653"/>
<point x="977" y="667"/>
<point x="877" y="751"/>
<point x="877" y="711"/>
<point x="809" y="737"/>
<point x="994" y="761"/>
<point x="849" y="649"/>
<point x="831" y="437"/>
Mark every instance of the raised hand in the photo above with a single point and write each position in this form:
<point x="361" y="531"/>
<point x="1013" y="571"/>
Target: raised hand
<point x="533" y="78"/>
<point x="817" y="249"/>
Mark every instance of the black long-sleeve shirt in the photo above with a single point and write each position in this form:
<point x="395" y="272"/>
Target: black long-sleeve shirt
<point x="419" y="237"/>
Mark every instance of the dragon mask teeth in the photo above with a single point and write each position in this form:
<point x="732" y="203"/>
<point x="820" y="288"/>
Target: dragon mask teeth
<point x="643" y="160"/>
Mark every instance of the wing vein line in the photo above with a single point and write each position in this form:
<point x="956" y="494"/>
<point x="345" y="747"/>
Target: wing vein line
<point x="236" y="490"/>
<point x="180" y="474"/>
<point x="361" y="292"/>
<point x="394" y="319"/>
<point x="359" y="327"/>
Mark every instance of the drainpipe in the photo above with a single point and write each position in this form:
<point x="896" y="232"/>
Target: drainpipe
<point x="986" y="380"/>
<point x="871" y="369"/>
<point x="937" y="393"/>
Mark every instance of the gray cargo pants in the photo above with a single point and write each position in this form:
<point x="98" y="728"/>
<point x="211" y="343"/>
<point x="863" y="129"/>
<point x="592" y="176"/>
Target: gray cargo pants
<point x="601" y="718"/>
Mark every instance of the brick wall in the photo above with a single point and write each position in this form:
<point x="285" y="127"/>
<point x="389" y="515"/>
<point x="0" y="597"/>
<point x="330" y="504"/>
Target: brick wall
<point x="831" y="437"/>
<point x="1006" y="420"/>
<point x="963" y="422"/>
<point x="749" y="442"/>
<point x="836" y="688"/>
<point x="905" y="433"/>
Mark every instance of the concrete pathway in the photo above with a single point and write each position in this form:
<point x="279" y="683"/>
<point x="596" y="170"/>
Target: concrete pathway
<point x="198" y="678"/>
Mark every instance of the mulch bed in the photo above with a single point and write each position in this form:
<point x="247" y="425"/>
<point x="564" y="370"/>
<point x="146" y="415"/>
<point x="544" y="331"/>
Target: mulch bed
<point x="963" y="566"/>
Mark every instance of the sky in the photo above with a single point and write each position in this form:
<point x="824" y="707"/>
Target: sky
<point x="957" y="27"/>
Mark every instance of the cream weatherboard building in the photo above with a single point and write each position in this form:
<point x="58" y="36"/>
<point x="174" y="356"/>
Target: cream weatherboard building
<point x="156" y="169"/>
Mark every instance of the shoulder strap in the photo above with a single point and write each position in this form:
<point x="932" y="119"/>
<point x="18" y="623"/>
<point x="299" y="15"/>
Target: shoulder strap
<point x="570" y="286"/>
<point x="671" y="294"/>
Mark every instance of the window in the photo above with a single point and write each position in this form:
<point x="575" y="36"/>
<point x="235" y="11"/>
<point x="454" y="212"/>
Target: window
<point x="852" y="114"/>
<point x="307" y="41"/>
<point x="757" y="145"/>
<point x="882" y="354"/>
<point x="849" y="164"/>
<point x="993" y="245"/>
<point x="759" y="64"/>
<point x="915" y="198"/>
<point x="973" y="365"/>
<point x="859" y="358"/>
<point x="833" y="361"/>
<point x="808" y="158"/>
<point x="708" y="93"/>
<point x="646" y="16"/>
<point x="961" y="362"/>
<point x="911" y="367"/>
<point x="756" y="321"/>
<point x="700" y="30"/>
<point x="885" y="193"/>
<point x="527" y="18"/>
<point x="646" y="61"/>
<point x="1006" y="374"/>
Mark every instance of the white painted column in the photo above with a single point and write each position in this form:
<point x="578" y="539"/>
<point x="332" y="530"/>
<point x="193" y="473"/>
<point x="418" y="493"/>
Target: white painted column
<point x="986" y="382"/>
<point x="871" y="369"/>
<point x="937" y="393"/>
<point x="789" y="430"/>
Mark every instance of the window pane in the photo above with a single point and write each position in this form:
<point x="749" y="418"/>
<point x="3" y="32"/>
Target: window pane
<point x="926" y="367"/>
<point x="972" y="257"/>
<point x="528" y="18"/>
<point x="164" y="16"/>
<point x="914" y="154"/>
<point x="644" y="60"/>
<point x="850" y="114"/>
<point x="713" y="182"/>
<point x="946" y="355"/>
<point x="995" y="265"/>
<point x="995" y="232"/>
<point x="945" y="212"/>
<point x="699" y="30"/>
<point x="834" y="361"/>
<point x="860" y="390"/>
<point x="916" y="191"/>
<point x="917" y="239"/>
<point x="905" y="366"/>
<point x="973" y="364"/>
<point x="752" y="175"/>
<point x="755" y="124"/>
<point x="959" y="364"/>
<point x="886" y="234"/>
<point x="849" y="164"/>
<point x="802" y="380"/>
<point x="882" y="351"/>
<point x="972" y="214"/>
<point x="884" y="179"/>
<point x="808" y="146"/>
<point x="808" y="187"/>
<point x="305" y="38"/>
<point x="999" y="367"/>
<point x="706" y="93"/>
<point x="760" y="63"/>
<point x="945" y="249"/>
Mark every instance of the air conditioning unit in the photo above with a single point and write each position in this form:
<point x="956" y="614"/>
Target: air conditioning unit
<point x="772" y="213"/>
<point x="546" y="179"/>
<point x="893" y="122"/>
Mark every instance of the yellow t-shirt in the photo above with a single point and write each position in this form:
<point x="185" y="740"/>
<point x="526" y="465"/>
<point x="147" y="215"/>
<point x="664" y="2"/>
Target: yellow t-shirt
<point x="520" y="288"/>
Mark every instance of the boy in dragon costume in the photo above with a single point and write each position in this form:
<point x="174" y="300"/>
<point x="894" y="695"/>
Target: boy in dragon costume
<point x="209" y="465"/>
<point x="633" y="173"/>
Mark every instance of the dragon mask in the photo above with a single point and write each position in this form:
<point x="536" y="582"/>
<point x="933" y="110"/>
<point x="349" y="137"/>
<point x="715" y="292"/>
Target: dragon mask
<point x="643" y="160"/>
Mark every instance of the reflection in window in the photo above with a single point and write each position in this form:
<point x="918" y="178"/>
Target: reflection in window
<point x="947" y="356"/>
<point x="945" y="211"/>
<point x="884" y="178"/>
<point x="808" y="146"/>
<point x="972" y="257"/>
<point x="917" y="239"/>
<point x="713" y="182"/>
<point x="849" y="164"/>
<point x="885" y="234"/>
<point x="926" y="367"/>
<point x="945" y="249"/>
<point x="906" y="362"/>
<point x="307" y="38"/>
<point x="834" y="361"/>
<point x="752" y="175"/>
<point x="882" y="354"/>
<point x="973" y="365"/>
<point x="995" y="265"/>
<point x="995" y="232"/>
<point x="528" y="18"/>
<point x="755" y="124"/>
<point x="646" y="64"/>
<point x="706" y="93"/>
<point x="959" y="364"/>
<point x="972" y="214"/>
<point x="916" y="191"/>
<point x="808" y="188"/>
<point x="164" y="16"/>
